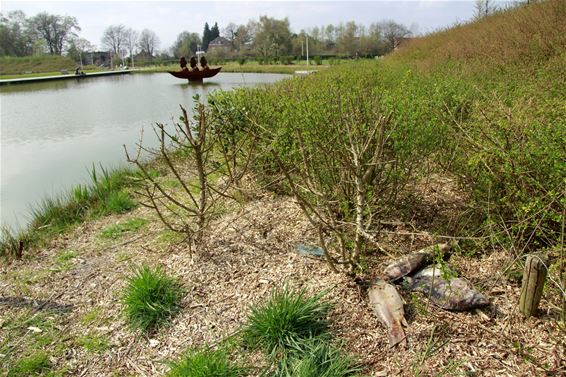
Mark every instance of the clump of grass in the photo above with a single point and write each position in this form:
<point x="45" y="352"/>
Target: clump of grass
<point x="33" y="365"/>
<point x="11" y="243"/>
<point x="117" y="230"/>
<point x="118" y="202"/>
<point x="151" y="298"/>
<point x="92" y="316"/>
<point x="204" y="362"/>
<point x="319" y="360"/>
<point x="107" y="190"/>
<point x="286" y="322"/>
<point x="92" y="342"/>
<point x="54" y="215"/>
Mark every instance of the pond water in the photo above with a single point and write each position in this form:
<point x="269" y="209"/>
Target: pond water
<point x="52" y="133"/>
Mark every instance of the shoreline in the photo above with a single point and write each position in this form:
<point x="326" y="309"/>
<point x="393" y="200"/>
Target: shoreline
<point x="61" y="77"/>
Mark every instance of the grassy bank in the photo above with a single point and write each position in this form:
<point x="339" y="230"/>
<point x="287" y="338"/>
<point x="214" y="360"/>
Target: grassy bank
<point x="35" y="64"/>
<point x="107" y="194"/>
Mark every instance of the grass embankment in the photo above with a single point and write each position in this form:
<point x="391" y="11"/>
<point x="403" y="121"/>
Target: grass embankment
<point x="38" y="66"/>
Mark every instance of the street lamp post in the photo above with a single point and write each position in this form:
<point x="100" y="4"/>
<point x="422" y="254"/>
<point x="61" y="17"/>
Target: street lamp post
<point x="307" y="49"/>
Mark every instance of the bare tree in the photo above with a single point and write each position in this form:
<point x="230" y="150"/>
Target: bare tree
<point x="148" y="42"/>
<point x="211" y="165"/>
<point x="484" y="8"/>
<point x="55" y="30"/>
<point x="114" y="38"/>
<point x="230" y="32"/>
<point x="81" y="45"/>
<point x="392" y="33"/>
<point x="131" y="43"/>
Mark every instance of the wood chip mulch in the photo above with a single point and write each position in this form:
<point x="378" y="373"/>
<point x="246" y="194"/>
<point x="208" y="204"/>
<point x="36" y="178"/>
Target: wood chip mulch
<point x="248" y="253"/>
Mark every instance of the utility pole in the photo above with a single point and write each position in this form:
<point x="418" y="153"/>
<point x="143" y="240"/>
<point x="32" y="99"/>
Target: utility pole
<point x="307" y="49"/>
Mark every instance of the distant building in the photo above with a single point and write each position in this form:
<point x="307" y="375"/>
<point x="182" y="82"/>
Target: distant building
<point x="220" y="44"/>
<point x="97" y="58"/>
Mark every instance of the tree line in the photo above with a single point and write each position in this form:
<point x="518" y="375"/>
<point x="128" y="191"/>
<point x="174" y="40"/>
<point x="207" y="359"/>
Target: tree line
<point x="58" y="35"/>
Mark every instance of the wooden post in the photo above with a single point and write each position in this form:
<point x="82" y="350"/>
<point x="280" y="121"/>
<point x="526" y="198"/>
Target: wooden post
<point x="534" y="277"/>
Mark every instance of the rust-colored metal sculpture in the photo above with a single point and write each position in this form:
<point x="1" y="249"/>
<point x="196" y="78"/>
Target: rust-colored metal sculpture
<point x="195" y="76"/>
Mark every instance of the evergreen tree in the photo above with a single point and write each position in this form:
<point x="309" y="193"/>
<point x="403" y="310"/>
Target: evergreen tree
<point x="206" y="36"/>
<point x="214" y="32"/>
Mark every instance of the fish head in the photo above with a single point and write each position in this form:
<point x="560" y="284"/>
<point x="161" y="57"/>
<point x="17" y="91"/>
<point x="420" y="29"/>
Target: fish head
<point x="478" y="300"/>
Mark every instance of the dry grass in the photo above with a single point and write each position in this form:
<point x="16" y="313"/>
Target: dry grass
<point x="523" y="35"/>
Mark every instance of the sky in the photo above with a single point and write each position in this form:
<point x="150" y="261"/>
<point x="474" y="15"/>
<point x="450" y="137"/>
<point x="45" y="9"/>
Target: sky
<point x="169" y="18"/>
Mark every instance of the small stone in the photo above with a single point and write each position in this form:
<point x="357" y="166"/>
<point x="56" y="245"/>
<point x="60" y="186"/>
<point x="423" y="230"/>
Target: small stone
<point x="35" y="329"/>
<point x="153" y="343"/>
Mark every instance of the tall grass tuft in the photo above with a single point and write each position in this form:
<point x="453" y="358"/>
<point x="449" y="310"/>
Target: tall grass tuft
<point x="10" y="242"/>
<point x="151" y="298"/>
<point x="107" y="190"/>
<point x="33" y="365"/>
<point x="204" y="362"/>
<point x="286" y="322"/>
<point x="319" y="360"/>
<point x="56" y="214"/>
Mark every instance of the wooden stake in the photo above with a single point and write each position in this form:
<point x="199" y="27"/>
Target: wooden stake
<point x="534" y="277"/>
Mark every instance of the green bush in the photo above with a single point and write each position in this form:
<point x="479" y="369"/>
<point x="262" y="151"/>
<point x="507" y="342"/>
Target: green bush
<point x="286" y="322"/>
<point x="204" y="362"/>
<point x="151" y="298"/>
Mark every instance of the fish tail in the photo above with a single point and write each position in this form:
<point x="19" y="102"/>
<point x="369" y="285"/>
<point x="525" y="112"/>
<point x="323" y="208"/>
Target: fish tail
<point x="396" y="335"/>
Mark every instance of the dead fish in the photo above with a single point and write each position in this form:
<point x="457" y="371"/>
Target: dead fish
<point x="413" y="262"/>
<point x="451" y="294"/>
<point x="388" y="306"/>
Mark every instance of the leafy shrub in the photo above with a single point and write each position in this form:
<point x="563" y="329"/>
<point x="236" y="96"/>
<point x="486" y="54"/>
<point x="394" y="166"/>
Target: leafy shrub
<point x="204" y="362"/>
<point x="317" y="60"/>
<point x="316" y="129"/>
<point x="286" y="60"/>
<point x="286" y="322"/>
<point x="511" y="155"/>
<point x="151" y="298"/>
